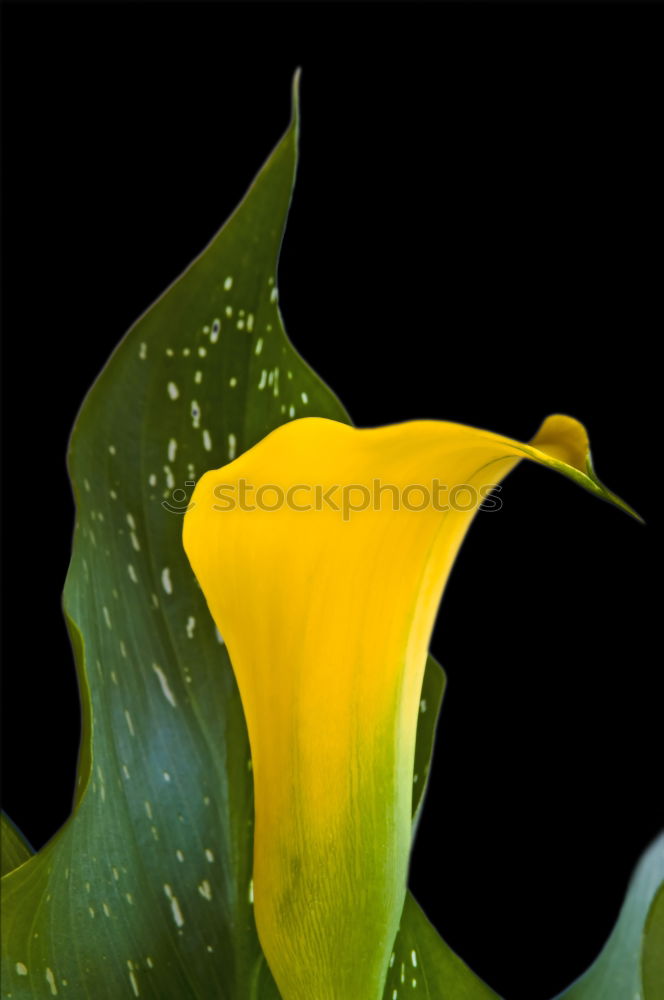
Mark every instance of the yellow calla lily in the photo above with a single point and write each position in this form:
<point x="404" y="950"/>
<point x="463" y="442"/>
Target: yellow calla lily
<point x="323" y="553"/>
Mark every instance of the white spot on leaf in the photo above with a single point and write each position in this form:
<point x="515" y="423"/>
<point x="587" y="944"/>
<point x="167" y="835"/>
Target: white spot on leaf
<point x="175" y="906"/>
<point x="165" y="688"/>
<point x="133" y="981"/>
<point x="205" y="889"/>
<point x="130" y="724"/>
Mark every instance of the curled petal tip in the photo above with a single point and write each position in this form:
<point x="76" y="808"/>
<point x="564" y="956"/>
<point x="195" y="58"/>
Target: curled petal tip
<point x="565" y="441"/>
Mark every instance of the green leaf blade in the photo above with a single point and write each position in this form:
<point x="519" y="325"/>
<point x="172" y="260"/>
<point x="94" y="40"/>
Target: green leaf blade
<point x="616" y="974"/>
<point x="431" y="701"/>
<point x="652" y="959"/>
<point x="147" y="889"/>
<point x="423" y="966"/>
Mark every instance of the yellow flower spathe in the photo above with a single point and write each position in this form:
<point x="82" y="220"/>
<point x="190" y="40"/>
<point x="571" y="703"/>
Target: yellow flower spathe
<point x="327" y="615"/>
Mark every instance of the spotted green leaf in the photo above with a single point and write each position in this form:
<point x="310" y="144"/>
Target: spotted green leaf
<point x="433" y="689"/>
<point x="423" y="966"/>
<point x="146" y="890"/>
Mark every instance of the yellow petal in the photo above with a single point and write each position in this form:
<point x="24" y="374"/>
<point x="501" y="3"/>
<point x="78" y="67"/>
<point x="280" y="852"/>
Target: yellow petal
<point x="327" y="615"/>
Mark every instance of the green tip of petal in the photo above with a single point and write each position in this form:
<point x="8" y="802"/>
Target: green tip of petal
<point x="295" y="97"/>
<point x="597" y="487"/>
<point x="562" y="444"/>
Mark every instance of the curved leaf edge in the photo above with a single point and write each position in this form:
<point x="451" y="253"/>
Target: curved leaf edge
<point x="617" y="972"/>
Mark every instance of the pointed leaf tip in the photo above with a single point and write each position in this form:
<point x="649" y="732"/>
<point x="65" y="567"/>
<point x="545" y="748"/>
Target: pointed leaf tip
<point x="190" y="380"/>
<point x="295" y="99"/>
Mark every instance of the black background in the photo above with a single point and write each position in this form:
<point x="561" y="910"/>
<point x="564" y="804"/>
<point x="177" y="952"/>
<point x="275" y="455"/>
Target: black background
<point x="475" y="236"/>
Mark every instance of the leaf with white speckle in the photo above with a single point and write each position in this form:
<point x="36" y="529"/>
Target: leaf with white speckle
<point x="163" y="785"/>
<point x="156" y="858"/>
